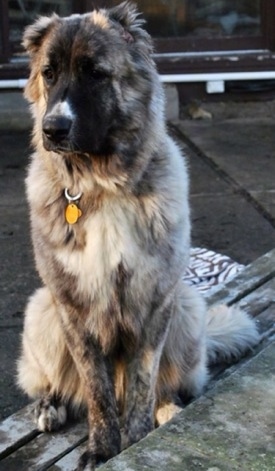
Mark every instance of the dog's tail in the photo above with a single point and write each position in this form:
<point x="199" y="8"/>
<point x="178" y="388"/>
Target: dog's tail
<point x="230" y="333"/>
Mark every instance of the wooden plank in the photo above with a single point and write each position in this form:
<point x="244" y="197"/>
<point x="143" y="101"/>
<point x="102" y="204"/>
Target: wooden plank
<point x="253" y="276"/>
<point x="259" y="300"/>
<point x="260" y="304"/>
<point x="17" y="430"/>
<point x="266" y="323"/>
<point x="44" y="450"/>
<point x="266" y="328"/>
<point x="69" y="461"/>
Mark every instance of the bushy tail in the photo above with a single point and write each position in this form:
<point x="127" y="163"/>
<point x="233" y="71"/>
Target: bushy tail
<point x="230" y="333"/>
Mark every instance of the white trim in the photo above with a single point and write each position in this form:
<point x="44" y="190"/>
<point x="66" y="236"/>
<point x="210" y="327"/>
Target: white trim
<point x="198" y="54"/>
<point x="208" y="77"/>
<point x="18" y="83"/>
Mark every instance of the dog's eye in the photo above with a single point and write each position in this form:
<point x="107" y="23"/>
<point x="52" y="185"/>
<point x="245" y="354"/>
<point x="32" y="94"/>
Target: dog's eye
<point x="90" y="71"/>
<point x="98" y="74"/>
<point x="48" y="74"/>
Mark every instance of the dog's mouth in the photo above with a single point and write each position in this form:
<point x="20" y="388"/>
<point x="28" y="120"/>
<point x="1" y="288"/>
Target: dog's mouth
<point x="64" y="147"/>
<point x="69" y="148"/>
<point x="61" y="147"/>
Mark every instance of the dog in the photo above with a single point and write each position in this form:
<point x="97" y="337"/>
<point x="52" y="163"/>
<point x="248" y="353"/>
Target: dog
<point x="114" y="330"/>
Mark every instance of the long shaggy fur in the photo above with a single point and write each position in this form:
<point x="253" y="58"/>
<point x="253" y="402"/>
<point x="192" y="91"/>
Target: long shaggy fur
<point x="113" y="330"/>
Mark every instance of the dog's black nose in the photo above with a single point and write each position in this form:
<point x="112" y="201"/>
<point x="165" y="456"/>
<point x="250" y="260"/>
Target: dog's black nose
<point x="56" y="128"/>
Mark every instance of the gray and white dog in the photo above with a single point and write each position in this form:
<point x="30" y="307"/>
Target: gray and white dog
<point x="114" y="328"/>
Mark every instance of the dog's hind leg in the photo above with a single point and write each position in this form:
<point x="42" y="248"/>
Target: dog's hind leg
<point x="142" y="370"/>
<point x="183" y="369"/>
<point x="45" y="367"/>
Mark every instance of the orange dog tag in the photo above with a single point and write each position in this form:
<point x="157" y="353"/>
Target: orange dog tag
<point x="72" y="213"/>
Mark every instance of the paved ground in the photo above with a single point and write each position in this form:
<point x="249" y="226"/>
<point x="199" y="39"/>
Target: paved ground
<point x="232" y="163"/>
<point x="232" y="167"/>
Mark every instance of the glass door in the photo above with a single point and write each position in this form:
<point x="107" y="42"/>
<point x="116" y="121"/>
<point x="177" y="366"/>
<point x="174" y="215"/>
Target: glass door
<point x="202" y="18"/>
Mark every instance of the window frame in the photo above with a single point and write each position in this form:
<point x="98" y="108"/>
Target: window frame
<point x="4" y="31"/>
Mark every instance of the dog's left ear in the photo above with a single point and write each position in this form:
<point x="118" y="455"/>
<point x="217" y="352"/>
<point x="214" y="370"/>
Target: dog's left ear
<point x="127" y="16"/>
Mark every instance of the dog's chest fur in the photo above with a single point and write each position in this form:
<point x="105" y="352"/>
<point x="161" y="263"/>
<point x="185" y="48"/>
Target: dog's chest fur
<point x="100" y="265"/>
<point x="108" y="243"/>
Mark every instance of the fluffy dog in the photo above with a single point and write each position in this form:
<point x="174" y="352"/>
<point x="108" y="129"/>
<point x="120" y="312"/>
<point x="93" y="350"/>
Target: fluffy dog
<point x="113" y="328"/>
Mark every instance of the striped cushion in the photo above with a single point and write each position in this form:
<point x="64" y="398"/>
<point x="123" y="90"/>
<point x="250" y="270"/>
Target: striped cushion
<point x="207" y="268"/>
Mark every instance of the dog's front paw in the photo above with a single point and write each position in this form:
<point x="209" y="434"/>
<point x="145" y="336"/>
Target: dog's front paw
<point x="87" y="462"/>
<point x="104" y="443"/>
<point x="50" y="415"/>
<point x="137" y="426"/>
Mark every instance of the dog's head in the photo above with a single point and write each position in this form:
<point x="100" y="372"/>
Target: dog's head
<point x="91" y="80"/>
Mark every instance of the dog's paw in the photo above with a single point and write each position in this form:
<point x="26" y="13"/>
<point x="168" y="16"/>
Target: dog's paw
<point x="49" y="415"/>
<point x="124" y="440"/>
<point x="167" y="412"/>
<point x="104" y="443"/>
<point x="87" y="462"/>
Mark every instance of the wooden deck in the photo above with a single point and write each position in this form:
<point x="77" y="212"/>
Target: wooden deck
<point x="23" y="448"/>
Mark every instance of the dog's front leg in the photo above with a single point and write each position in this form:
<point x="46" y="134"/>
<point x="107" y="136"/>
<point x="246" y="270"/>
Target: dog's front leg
<point x="95" y="371"/>
<point x="140" y="396"/>
<point x="142" y="373"/>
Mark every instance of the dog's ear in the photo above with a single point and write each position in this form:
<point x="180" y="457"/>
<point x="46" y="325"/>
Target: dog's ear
<point x="35" y="33"/>
<point x="127" y="16"/>
<point x="32" y="40"/>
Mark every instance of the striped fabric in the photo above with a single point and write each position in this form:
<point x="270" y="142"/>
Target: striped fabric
<point x="207" y="268"/>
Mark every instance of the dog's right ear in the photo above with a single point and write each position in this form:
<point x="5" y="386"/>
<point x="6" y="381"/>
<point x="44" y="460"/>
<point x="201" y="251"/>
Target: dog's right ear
<point x="35" y="33"/>
<point x="127" y="16"/>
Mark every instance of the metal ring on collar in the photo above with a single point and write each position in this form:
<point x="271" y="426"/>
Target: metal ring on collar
<point x="72" y="198"/>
